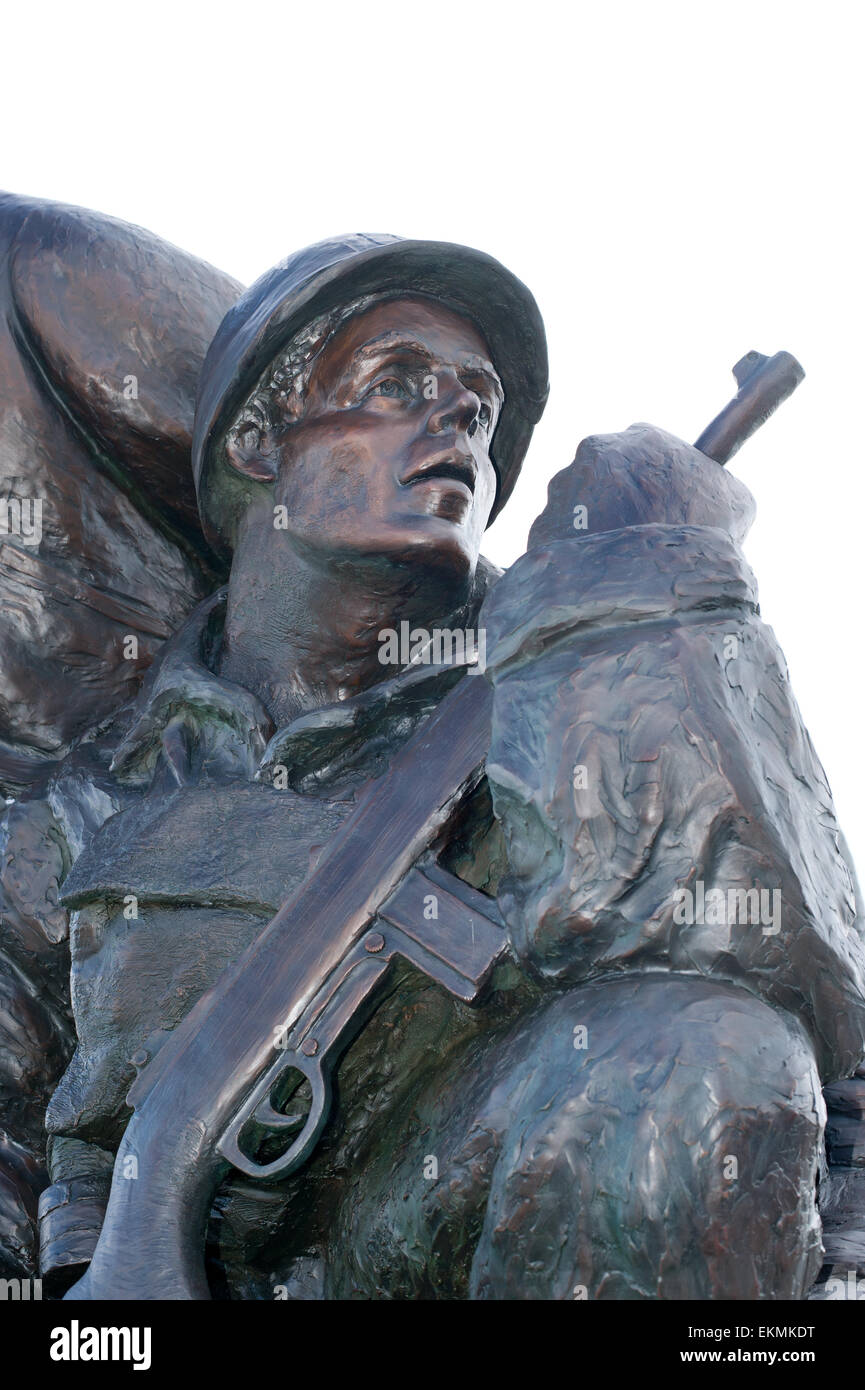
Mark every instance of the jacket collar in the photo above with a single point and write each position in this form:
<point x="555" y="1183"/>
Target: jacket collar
<point x="190" y="725"/>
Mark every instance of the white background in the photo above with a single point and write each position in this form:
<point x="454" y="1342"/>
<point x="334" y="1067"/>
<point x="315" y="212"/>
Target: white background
<point x="677" y="183"/>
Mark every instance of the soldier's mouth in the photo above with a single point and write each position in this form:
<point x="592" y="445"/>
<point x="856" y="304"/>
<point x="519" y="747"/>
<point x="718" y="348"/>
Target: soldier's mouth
<point x="452" y="467"/>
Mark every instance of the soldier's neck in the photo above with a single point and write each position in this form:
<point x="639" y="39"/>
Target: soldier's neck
<point x="311" y="635"/>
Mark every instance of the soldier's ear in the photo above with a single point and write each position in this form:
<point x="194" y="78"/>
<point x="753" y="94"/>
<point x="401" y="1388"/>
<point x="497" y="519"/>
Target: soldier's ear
<point x="251" y="449"/>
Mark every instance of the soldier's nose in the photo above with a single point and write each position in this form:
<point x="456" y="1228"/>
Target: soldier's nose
<point x="456" y="410"/>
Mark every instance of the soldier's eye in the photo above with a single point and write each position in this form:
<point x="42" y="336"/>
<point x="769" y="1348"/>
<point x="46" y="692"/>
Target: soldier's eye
<point x="485" y="415"/>
<point x="390" y="386"/>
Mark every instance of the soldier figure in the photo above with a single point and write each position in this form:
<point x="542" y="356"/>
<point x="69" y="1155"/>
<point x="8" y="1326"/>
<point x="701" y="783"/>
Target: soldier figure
<point x="635" y="1110"/>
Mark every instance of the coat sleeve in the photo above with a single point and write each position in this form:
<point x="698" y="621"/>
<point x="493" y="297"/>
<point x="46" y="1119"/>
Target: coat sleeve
<point x="661" y="801"/>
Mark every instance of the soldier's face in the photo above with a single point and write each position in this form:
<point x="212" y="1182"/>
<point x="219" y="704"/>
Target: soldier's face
<point x="391" y="455"/>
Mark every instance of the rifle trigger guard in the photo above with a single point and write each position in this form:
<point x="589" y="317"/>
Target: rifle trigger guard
<point x="258" y="1107"/>
<point x="458" y="949"/>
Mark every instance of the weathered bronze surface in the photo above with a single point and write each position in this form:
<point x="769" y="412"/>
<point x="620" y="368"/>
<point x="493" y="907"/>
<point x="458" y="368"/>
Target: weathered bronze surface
<point x="503" y="921"/>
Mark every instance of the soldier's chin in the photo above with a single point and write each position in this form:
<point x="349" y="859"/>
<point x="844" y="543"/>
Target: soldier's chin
<point x="437" y="542"/>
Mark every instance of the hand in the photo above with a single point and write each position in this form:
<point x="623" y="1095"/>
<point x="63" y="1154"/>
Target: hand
<point x="636" y="478"/>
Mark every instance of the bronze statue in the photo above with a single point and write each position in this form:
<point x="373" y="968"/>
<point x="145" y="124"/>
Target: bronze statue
<point x="453" y="934"/>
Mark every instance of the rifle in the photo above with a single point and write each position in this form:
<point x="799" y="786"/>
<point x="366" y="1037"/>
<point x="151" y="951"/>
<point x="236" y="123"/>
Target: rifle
<point x="214" y="1092"/>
